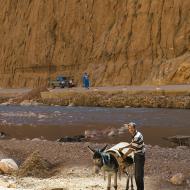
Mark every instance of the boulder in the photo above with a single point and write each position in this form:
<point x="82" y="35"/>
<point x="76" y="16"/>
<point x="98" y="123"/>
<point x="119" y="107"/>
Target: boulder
<point x="7" y="166"/>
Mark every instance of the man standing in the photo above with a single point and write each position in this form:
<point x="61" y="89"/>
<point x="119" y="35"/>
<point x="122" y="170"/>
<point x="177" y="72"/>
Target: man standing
<point x="137" y="146"/>
<point x="86" y="82"/>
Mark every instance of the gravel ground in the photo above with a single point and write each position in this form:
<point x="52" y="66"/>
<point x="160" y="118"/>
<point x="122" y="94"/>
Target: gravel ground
<point x="73" y="169"/>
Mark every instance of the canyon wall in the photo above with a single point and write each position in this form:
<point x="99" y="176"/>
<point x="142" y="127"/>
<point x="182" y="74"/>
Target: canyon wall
<point x="118" y="42"/>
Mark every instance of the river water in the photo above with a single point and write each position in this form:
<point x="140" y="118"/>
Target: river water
<point x="53" y="122"/>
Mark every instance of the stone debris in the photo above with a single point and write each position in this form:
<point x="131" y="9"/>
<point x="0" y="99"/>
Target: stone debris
<point x="29" y="103"/>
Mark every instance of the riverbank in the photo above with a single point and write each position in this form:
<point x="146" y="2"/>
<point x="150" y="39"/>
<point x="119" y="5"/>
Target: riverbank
<point x="72" y="166"/>
<point x="157" y="98"/>
<point x="171" y="96"/>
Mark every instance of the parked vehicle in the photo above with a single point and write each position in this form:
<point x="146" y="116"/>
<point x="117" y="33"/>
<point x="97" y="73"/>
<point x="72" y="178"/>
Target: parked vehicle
<point x="62" y="82"/>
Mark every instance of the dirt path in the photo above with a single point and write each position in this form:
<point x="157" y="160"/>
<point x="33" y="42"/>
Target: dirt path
<point x="81" y="178"/>
<point x="76" y="178"/>
<point x="18" y="91"/>
<point x="128" y="88"/>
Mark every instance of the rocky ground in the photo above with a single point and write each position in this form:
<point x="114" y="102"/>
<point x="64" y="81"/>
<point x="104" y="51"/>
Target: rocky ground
<point x="70" y="166"/>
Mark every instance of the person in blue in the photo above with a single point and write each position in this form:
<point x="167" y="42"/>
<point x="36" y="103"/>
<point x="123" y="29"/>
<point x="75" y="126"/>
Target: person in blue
<point x="86" y="82"/>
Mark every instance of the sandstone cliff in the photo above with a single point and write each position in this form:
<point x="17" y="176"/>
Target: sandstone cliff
<point x="118" y="42"/>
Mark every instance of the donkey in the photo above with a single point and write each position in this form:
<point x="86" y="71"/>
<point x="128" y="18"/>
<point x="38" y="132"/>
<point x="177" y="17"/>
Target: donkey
<point x="108" y="163"/>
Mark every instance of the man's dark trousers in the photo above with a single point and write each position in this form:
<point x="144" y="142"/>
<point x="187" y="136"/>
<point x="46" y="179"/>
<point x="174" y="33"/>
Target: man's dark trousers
<point x="139" y="170"/>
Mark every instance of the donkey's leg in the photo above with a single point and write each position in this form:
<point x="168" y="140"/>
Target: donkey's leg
<point x="131" y="176"/>
<point x="115" y="180"/>
<point x="127" y="185"/>
<point x="109" y="182"/>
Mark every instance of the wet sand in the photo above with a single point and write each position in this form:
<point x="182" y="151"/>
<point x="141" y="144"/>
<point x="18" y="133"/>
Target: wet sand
<point x="152" y="135"/>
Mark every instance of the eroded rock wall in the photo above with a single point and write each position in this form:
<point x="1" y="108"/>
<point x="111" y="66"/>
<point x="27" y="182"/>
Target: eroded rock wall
<point x="118" y="42"/>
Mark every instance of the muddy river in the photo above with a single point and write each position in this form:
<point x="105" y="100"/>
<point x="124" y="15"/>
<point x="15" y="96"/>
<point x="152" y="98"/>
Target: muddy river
<point x="53" y="122"/>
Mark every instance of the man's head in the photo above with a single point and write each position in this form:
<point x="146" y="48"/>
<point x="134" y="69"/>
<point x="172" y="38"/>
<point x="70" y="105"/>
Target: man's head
<point x="131" y="127"/>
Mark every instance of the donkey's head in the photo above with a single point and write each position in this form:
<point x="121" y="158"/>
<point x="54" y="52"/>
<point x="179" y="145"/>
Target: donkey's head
<point x="97" y="157"/>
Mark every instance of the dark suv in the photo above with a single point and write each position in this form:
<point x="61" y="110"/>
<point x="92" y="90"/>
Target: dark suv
<point x="62" y="82"/>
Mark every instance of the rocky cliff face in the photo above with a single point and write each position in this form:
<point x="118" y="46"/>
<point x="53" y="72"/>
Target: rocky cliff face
<point x="118" y="42"/>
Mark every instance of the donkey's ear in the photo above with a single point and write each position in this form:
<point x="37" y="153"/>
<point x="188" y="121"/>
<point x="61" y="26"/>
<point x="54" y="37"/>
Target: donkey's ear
<point x="104" y="148"/>
<point x="91" y="150"/>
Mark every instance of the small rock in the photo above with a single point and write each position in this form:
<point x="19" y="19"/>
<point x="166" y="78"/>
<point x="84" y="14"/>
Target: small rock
<point x="40" y="116"/>
<point x="2" y="135"/>
<point x="182" y="147"/>
<point x="121" y="132"/>
<point x="25" y="103"/>
<point x="71" y="104"/>
<point x="5" y="103"/>
<point x="91" y="133"/>
<point x="127" y="106"/>
<point x="12" y="185"/>
<point x="156" y="146"/>
<point x="36" y="139"/>
<point x="122" y="129"/>
<point x="4" y="122"/>
<point x="148" y="146"/>
<point x="112" y="133"/>
<point x="177" y="179"/>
